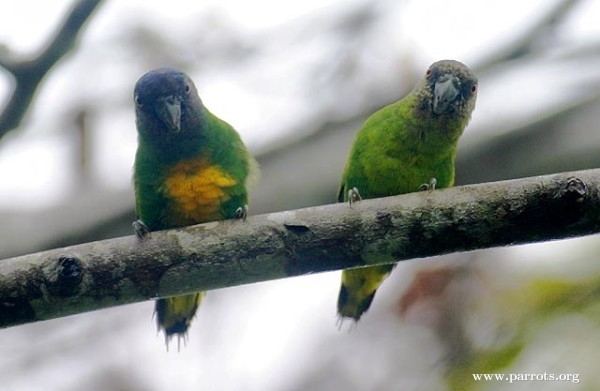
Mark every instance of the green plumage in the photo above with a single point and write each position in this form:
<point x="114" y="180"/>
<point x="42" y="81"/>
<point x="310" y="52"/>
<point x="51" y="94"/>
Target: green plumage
<point x="399" y="149"/>
<point x="217" y="142"/>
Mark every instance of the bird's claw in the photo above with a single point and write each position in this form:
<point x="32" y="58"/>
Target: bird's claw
<point x="428" y="186"/>
<point x="241" y="212"/>
<point x="141" y="230"/>
<point x="353" y="196"/>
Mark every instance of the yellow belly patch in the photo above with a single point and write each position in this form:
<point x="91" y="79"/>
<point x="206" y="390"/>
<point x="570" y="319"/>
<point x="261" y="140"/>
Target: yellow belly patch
<point x="197" y="190"/>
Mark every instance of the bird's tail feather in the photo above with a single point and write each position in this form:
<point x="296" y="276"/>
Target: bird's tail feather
<point x="358" y="289"/>
<point x="174" y="314"/>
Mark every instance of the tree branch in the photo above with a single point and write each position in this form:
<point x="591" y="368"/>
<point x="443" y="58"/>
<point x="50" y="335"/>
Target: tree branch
<point x="220" y="254"/>
<point x="534" y="34"/>
<point x="29" y="73"/>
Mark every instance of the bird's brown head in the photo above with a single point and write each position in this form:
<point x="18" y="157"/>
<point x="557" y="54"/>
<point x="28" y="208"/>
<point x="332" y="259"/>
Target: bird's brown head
<point x="449" y="91"/>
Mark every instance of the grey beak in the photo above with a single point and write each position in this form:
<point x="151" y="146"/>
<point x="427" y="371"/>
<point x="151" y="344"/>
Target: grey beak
<point x="169" y="112"/>
<point x="445" y="92"/>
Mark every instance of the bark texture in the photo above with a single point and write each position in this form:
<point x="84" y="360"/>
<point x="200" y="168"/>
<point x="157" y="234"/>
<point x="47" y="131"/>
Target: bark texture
<point x="214" y="255"/>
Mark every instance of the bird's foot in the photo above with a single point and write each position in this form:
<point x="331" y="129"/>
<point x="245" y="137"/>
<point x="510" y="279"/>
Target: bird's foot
<point x="353" y="196"/>
<point x="241" y="212"/>
<point x="428" y="186"/>
<point x="141" y="230"/>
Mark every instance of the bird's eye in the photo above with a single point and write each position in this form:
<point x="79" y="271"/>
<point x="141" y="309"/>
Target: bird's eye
<point x="187" y="88"/>
<point x="428" y="73"/>
<point x="137" y="100"/>
<point x="474" y="88"/>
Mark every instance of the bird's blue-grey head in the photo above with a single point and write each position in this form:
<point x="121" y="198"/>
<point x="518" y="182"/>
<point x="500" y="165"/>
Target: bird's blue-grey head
<point x="451" y="88"/>
<point x="165" y="99"/>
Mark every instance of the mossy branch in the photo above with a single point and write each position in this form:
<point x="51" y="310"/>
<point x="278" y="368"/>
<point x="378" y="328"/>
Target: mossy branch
<point x="95" y="275"/>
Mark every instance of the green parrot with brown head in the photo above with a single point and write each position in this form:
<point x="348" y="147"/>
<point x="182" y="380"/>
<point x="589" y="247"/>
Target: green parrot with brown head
<point x="407" y="146"/>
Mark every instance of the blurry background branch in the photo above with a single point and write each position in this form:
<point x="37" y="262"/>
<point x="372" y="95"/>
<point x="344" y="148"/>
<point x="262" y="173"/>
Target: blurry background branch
<point x="536" y="36"/>
<point x="215" y="255"/>
<point x="27" y="74"/>
<point x="532" y="38"/>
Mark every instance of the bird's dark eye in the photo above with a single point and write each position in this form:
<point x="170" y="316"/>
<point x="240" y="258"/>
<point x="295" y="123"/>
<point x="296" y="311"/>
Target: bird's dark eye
<point x="137" y="100"/>
<point x="428" y="73"/>
<point x="187" y="88"/>
<point x="473" y="88"/>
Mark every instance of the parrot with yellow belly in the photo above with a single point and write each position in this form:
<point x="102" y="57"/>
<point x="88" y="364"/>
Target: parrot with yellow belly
<point x="190" y="167"/>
